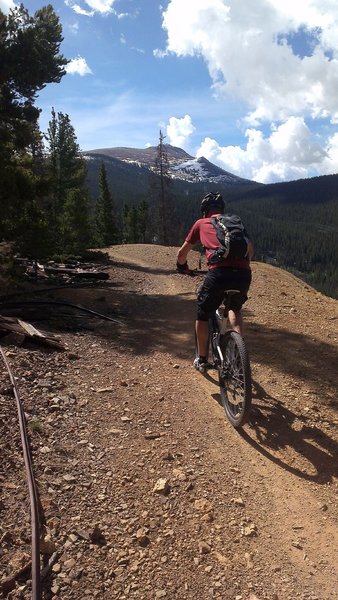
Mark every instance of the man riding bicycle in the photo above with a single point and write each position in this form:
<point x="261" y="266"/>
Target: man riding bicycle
<point x="228" y="273"/>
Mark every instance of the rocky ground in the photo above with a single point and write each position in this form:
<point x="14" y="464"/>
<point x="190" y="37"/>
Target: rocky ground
<point x="146" y="491"/>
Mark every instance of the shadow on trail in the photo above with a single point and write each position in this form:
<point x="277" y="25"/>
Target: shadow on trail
<point x="274" y="429"/>
<point x="166" y="322"/>
<point x="134" y="267"/>
<point x="278" y="429"/>
<point x="298" y="355"/>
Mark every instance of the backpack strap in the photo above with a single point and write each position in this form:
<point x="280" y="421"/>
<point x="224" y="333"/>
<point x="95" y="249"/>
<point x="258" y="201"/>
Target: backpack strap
<point x="225" y="237"/>
<point x="222" y="234"/>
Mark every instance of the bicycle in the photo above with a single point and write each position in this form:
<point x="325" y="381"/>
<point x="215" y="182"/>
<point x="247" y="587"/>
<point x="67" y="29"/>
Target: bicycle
<point x="231" y="359"/>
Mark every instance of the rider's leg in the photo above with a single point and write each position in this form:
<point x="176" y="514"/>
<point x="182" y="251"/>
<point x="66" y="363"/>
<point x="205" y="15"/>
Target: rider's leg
<point x="236" y="321"/>
<point x="202" y="334"/>
<point x="239" y="279"/>
<point x="209" y="298"/>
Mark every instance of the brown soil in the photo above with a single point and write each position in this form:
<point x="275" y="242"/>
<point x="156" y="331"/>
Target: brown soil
<point x="247" y="515"/>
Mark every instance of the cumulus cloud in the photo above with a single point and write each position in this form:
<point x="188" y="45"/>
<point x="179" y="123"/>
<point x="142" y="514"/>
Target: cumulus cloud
<point x="289" y="152"/>
<point x="179" y="130"/>
<point x="78" y="66"/>
<point x="6" y="5"/>
<point x="249" y="49"/>
<point x="279" y="60"/>
<point x="330" y="162"/>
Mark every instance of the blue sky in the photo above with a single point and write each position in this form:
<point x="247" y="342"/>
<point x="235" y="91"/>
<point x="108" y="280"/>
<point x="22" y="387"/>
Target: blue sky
<point x="252" y="86"/>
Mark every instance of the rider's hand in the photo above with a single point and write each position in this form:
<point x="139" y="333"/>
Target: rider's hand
<point x="184" y="269"/>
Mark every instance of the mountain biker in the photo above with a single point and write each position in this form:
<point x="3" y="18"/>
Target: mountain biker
<point x="229" y="273"/>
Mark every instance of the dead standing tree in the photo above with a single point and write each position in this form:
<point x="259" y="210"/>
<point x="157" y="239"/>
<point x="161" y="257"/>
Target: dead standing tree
<point x="162" y="196"/>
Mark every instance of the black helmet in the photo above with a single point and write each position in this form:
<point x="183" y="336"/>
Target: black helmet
<point x="212" y="200"/>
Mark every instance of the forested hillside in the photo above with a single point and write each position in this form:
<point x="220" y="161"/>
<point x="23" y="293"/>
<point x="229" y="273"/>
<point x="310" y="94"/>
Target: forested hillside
<point x="55" y="202"/>
<point x="293" y="225"/>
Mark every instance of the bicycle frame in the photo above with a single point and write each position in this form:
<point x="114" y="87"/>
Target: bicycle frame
<point x="230" y="358"/>
<point x="214" y="340"/>
<point x="215" y="329"/>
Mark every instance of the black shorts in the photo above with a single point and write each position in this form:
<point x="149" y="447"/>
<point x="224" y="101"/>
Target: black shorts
<point x="218" y="280"/>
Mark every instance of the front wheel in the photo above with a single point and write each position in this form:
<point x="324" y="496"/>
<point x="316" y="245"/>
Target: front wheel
<point x="235" y="378"/>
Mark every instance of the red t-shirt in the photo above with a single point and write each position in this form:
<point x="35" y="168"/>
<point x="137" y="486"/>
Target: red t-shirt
<point x="203" y="231"/>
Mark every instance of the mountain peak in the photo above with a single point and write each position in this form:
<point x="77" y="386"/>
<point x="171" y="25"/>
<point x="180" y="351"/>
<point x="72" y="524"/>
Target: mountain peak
<point x="145" y="156"/>
<point x="182" y="165"/>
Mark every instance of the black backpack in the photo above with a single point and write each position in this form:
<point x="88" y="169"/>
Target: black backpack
<point x="232" y="237"/>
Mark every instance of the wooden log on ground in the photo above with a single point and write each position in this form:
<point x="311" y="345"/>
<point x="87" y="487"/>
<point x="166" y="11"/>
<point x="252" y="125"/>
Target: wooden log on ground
<point x="77" y="273"/>
<point x="17" y="332"/>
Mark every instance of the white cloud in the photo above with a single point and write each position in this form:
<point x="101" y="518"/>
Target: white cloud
<point x="78" y="9"/>
<point x="139" y="50"/>
<point x="78" y="66"/>
<point x="288" y="153"/>
<point x="330" y="162"/>
<point x="179" y="130"/>
<point x="122" y="15"/>
<point x="6" y="5"/>
<point x="100" y="6"/>
<point x="279" y="61"/>
<point x="241" y="45"/>
<point x="158" y="53"/>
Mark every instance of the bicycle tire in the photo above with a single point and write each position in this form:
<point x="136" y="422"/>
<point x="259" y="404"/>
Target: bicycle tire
<point x="235" y="379"/>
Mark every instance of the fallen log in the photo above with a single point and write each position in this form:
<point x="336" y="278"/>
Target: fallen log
<point x="17" y="332"/>
<point x="77" y="273"/>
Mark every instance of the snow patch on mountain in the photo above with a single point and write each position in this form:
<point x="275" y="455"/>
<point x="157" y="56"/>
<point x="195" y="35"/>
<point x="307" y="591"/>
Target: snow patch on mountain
<point x="182" y="166"/>
<point x="200" y="169"/>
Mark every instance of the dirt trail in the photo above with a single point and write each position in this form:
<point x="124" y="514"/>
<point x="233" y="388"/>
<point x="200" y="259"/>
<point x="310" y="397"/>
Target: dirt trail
<point x="248" y="515"/>
<point x="289" y="450"/>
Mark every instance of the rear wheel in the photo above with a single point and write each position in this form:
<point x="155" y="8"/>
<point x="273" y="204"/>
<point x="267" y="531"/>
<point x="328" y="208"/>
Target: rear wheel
<point x="235" y="378"/>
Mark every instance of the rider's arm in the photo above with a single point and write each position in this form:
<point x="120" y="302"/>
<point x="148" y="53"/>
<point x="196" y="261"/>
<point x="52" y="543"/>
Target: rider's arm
<point x="191" y="239"/>
<point x="183" y="253"/>
<point x="182" y="264"/>
<point x="250" y="250"/>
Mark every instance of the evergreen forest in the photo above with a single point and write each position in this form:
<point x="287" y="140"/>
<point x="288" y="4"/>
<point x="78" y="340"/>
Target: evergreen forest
<point x="56" y="204"/>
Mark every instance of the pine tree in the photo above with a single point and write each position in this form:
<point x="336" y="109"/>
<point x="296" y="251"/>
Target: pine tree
<point x="130" y="225"/>
<point x="75" y="227"/>
<point x="67" y="172"/>
<point x="143" y="221"/>
<point x="29" y="59"/>
<point x="105" y="219"/>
